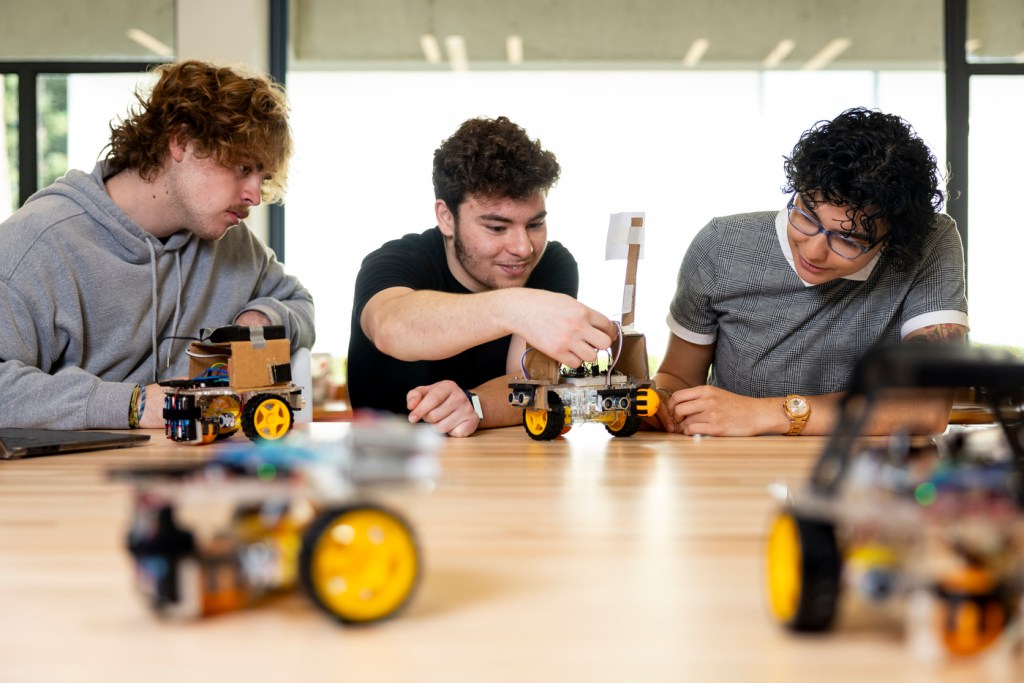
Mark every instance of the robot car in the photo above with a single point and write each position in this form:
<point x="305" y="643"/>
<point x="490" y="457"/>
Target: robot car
<point x="931" y="530"/>
<point x="240" y="378"/>
<point x="260" y="519"/>
<point x="555" y="398"/>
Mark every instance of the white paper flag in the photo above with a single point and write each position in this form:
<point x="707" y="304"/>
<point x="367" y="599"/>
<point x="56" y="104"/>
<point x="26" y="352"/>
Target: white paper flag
<point x="621" y="234"/>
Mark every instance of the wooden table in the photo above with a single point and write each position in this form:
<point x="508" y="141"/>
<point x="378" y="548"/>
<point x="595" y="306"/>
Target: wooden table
<point x="585" y="559"/>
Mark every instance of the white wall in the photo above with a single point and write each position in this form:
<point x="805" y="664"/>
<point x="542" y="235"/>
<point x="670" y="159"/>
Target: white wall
<point x="227" y="32"/>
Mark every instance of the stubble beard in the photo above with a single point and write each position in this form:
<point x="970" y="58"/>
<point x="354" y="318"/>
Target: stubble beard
<point x="476" y="270"/>
<point x="469" y="263"/>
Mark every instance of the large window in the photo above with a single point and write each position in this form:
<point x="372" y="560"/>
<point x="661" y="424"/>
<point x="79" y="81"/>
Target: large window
<point x="997" y="228"/>
<point x="986" y="76"/>
<point x="9" y="146"/>
<point x="681" y="110"/>
<point x="59" y="62"/>
<point x="683" y="147"/>
<point x="73" y="113"/>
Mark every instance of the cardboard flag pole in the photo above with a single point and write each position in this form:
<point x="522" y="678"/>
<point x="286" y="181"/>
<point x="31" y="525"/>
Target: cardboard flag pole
<point x="625" y="240"/>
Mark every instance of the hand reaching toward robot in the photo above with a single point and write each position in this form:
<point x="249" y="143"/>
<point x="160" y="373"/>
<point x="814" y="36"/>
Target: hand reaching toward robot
<point x="445" y="406"/>
<point x="563" y="328"/>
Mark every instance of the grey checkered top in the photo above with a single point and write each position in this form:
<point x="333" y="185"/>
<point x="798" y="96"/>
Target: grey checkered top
<point x="774" y="334"/>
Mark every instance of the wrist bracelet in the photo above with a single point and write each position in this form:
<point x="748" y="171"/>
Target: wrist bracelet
<point x="133" y="408"/>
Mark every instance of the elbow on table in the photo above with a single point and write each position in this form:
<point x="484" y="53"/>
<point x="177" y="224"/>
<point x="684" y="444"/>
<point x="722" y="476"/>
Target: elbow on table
<point x="918" y="422"/>
<point x="935" y="424"/>
<point x="928" y="422"/>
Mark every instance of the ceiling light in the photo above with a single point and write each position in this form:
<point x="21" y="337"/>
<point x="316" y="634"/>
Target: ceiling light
<point x="150" y="43"/>
<point x="431" y="50"/>
<point x="828" y="53"/>
<point x="514" y="49"/>
<point x="778" y="53"/>
<point x="457" y="57"/>
<point x="696" y="52"/>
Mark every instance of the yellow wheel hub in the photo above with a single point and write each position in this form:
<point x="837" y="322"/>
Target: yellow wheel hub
<point x="783" y="568"/>
<point x="536" y="420"/>
<point x="364" y="565"/>
<point x="272" y="419"/>
<point x="222" y="405"/>
<point x="618" y="422"/>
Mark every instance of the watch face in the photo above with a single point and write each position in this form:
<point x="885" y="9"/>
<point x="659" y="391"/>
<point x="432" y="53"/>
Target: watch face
<point x="797" y="406"/>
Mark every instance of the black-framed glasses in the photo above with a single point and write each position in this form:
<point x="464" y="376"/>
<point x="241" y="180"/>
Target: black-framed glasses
<point x="806" y="224"/>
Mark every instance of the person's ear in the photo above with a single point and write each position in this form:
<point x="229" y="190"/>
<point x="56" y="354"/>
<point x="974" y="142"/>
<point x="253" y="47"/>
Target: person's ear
<point x="445" y="218"/>
<point x="178" y="144"/>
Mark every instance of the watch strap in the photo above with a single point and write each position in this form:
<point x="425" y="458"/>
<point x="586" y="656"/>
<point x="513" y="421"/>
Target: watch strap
<point x="474" y="401"/>
<point x="797" y="421"/>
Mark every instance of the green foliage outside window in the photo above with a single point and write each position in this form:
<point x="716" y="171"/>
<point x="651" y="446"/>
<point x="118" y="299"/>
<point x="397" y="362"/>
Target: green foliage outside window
<point x="10" y="131"/>
<point x="53" y="128"/>
<point x="52" y="132"/>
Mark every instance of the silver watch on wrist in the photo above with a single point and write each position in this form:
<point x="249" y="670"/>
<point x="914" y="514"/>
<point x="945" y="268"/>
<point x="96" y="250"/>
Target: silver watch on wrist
<point x="474" y="400"/>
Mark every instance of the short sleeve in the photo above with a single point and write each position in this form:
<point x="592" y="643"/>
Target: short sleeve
<point x="557" y="271"/>
<point x="412" y="261"/>
<point x="937" y="295"/>
<point x="691" y="314"/>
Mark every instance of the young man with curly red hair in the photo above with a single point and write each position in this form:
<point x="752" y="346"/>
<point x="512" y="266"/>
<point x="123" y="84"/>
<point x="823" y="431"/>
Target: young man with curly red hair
<point x="102" y="274"/>
<point x="442" y="318"/>
<point x="773" y="309"/>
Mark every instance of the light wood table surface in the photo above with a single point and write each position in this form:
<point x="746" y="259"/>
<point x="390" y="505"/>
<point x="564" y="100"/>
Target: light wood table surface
<point x="589" y="558"/>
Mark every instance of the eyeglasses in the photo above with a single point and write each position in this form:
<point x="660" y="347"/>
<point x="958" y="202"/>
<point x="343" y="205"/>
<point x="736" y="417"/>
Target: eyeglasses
<point x="847" y="247"/>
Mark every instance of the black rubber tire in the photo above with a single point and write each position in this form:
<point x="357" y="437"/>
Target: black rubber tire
<point x="555" y="420"/>
<point x="820" y="566"/>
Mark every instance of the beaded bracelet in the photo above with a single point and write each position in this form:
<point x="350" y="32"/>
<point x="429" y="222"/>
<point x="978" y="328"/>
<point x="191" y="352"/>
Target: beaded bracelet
<point x="133" y="408"/>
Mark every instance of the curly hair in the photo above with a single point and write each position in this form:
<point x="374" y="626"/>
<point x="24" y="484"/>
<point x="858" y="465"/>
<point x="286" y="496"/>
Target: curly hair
<point x="491" y="158"/>
<point x="228" y="115"/>
<point x="876" y="166"/>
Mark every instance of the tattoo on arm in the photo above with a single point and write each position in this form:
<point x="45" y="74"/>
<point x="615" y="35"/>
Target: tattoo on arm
<point x="944" y="333"/>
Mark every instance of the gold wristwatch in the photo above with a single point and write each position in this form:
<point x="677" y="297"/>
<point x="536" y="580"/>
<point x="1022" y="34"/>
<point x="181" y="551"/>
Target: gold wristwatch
<point x="798" y="410"/>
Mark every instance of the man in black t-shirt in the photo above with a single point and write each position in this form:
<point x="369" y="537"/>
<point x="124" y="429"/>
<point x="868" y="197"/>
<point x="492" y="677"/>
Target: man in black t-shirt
<point x="441" y="319"/>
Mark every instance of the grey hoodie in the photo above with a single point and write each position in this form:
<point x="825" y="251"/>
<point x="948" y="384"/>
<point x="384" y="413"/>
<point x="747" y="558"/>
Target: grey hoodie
<point x="89" y="302"/>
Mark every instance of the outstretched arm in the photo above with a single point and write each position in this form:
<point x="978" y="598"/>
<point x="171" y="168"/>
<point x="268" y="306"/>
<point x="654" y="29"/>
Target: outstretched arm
<point x="428" y="325"/>
<point x="709" y="410"/>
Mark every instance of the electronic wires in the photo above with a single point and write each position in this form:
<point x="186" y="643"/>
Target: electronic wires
<point x="611" y="363"/>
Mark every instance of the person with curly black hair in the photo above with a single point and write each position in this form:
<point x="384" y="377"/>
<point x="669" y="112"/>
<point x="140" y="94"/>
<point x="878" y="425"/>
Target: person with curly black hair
<point x="441" y="318"/>
<point x="773" y="309"/>
<point x="103" y="274"/>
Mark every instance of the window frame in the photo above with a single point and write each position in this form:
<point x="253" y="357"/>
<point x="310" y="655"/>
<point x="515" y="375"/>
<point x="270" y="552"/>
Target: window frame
<point x="28" y="74"/>
<point x="958" y="109"/>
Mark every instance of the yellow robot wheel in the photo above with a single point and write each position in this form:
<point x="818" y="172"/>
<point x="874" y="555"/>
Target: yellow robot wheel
<point x="802" y="571"/>
<point x="360" y="564"/>
<point x="266" y="417"/>
<point x="544" y="425"/>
